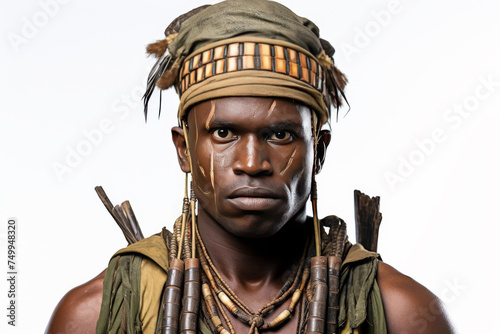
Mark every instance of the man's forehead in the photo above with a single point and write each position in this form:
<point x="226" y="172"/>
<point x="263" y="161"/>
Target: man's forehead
<point x="258" y="110"/>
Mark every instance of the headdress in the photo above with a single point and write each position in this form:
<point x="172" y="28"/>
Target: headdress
<point x="246" y="48"/>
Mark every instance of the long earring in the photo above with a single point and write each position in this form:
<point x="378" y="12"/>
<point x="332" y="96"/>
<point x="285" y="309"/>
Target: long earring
<point x="192" y="287"/>
<point x="315" y="320"/>
<point x="173" y="287"/>
<point x="314" y="191"/>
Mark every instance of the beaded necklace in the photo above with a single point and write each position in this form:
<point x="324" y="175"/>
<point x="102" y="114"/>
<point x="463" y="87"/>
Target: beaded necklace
<point x="215" y="288"/>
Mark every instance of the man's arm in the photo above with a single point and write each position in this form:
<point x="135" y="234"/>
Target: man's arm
<point x="78" y="310"/>
<point x="410" y="307"/>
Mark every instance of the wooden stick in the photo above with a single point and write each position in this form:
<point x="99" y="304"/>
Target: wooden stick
<point x="123" y="215"/>
<point x="368" y="219"/>
<point x="123" y="223"/>
<point x="133" y="223"/>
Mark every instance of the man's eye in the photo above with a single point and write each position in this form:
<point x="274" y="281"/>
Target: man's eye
<point x="282" y="136"/>
<point x="223" y="134"/>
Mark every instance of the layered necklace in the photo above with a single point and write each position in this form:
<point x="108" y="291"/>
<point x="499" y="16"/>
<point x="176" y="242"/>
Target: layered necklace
<point x="218" y="296"/>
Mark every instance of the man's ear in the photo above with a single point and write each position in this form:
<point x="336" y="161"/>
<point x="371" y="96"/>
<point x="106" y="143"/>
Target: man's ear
<point x="181" y="148"/>
<point x="323" y="141"/>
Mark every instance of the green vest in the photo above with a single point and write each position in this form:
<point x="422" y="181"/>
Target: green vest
<point x="361" y="309"/>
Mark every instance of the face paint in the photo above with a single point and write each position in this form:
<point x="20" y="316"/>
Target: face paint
<point x="271" y="109"/>
<point x="255" y="163"/>
<point x="205" y="192"/>
<point x="211" y="115"/>
<point x="290" y="160"/>
<point x="212" y="180"/>
<point x="202" y="170"/>
<point x="196" y="126"/>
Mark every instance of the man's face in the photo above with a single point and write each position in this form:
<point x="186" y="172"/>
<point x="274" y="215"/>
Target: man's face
<point x="252" y="161"/>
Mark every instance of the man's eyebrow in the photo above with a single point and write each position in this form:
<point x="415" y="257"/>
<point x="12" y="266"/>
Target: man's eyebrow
<point x="286" y="125"/>
<point x="214" y="122"/>
<point x="277" y="126"/>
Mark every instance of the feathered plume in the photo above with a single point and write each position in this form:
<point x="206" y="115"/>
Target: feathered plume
<point x="159" y="68"/>
<point x="165" y="72"/>
<point x="335" y="79"/>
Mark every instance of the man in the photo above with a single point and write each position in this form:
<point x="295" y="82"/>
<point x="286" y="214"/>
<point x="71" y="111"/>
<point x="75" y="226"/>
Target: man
<point x="256" y="85"/>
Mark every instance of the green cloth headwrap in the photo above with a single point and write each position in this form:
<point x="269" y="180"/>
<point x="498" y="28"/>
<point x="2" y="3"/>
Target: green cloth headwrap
<point x="234" y="18"/>
<point x="251" y="21"/>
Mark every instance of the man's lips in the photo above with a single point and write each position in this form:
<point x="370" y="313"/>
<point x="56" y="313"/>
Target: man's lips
<point x="253" y="198"/>
<point x="257" y="192"/>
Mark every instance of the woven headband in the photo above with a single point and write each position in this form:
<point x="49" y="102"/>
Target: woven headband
<point x="246" y="48"/>
<point x="227" y="57"/>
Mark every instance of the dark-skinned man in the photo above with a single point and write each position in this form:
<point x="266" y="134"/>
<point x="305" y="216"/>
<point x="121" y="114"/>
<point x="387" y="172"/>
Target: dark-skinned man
<point x="256" y="85"/>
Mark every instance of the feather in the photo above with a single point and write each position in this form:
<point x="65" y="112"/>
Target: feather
<point x="335" y="84"/>
<point x="159" y="68"/>
<point x="169" y="78"/>
<point x="329" y="49"/>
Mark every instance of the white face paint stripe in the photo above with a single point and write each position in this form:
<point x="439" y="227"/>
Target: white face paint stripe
<point x="211" y="115"/>
<point x="290" y="160"/>
<point x="202" y="170"/>
<point x="205" y="192"/>
<point x="196" y="127"/>
<point x="271" y="109"/>
<point x="212" y="180"/>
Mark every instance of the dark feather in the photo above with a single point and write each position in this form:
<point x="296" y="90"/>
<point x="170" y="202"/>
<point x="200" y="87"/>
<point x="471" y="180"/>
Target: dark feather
<point x="329" y="49"/>
<point x="160" y="67"/>
<point x="335" y="84"/>
<point x="169" y="78"/>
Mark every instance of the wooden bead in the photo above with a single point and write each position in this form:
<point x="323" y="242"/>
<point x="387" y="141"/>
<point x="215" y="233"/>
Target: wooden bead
<point x="172" y="298"/>
<point x="191" y="300"/>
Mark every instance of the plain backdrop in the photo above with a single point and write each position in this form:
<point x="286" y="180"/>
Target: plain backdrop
<point x="421" y="133"/>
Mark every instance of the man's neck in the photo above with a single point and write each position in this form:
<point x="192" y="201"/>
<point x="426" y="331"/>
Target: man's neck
<point x="254" y="267"/>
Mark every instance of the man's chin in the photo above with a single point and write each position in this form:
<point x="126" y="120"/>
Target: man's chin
<point x="254" y="230"/>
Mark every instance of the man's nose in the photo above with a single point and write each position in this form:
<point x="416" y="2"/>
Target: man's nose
<point x="252" y="157"/>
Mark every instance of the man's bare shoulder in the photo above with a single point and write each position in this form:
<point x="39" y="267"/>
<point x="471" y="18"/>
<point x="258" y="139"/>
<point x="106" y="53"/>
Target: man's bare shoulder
<point x="409" y="306"/>
<point x="78" y="310"/>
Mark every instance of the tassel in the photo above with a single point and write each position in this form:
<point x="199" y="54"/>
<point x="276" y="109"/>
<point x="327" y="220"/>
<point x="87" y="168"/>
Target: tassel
<point x="158" y="48"/>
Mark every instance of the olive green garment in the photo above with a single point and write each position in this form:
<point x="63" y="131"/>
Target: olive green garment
<point x="361" y="306"/>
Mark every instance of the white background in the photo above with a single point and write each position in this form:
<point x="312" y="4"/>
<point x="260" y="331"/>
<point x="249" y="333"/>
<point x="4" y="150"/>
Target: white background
<point x="71" y="67"/>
